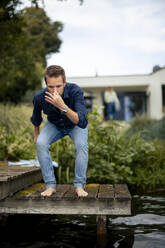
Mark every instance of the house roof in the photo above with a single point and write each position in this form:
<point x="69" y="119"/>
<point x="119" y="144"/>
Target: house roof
<point x="113" y="80"/>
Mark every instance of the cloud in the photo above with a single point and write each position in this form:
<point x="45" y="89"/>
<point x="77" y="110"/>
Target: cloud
<point x="109" y="36"/>
<point x="145" y="44"/>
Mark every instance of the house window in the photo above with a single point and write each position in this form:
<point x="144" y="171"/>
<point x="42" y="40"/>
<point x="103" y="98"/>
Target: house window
<point x="132" y="103"/>
<point x="88" y="98"/>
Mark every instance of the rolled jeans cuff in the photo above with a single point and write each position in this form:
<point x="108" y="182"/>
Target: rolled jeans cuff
<point x="79" y="185"/>
<point x="51" y="185"/>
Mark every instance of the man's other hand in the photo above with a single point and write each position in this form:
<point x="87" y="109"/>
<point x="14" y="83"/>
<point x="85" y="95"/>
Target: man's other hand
<point x="35" y="138"/>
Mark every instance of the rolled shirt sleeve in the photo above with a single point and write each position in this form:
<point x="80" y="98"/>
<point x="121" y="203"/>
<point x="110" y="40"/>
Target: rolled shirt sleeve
<point x="36" y="117"/>
<point x="80" y="109"/>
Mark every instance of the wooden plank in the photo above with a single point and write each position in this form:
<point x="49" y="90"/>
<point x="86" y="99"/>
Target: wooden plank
<point x="106" y="191"/>
<point x="70" y="194"/>
<point x="13" y="171"/>
<point x="7" y="173"/>
<point x="15" y="178"/>
<point x="7" y="177"/>
<point x="122" y="192"/>
<point x="30" y="192"/>
<point x="17" y="168"/>
<point x="44" y="206"/>
<point x="61" y="189"/>
<point x="34" y="192"/>
<point x="92" y="190"/>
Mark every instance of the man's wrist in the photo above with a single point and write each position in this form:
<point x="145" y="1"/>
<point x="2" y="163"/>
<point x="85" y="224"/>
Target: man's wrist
<point x="64" y="110"/>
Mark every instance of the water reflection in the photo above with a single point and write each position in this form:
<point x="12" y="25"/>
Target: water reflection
<point x="150" y="240"/>
<point x="141" y="219"/>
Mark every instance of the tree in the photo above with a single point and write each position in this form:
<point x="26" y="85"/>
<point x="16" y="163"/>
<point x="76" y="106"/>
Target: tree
<point x="156" y="68"/>
<point x="43" y="34"/>
<point x="23" y="49"/>
<point x="36" y="2"/>
<point x="26" y="38"/>
<point x="13" y="55"/>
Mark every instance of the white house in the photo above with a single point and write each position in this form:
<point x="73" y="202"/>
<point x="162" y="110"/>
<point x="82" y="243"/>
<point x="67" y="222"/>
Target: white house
<point x="142" y="94"/>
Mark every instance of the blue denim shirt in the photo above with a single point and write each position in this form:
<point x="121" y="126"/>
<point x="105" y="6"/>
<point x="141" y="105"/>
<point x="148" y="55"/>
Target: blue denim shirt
<point x="73" y="98"/>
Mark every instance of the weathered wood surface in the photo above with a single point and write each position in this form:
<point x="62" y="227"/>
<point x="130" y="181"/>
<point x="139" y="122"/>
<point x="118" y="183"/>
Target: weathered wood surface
<point x="15" y="178"/>
<point x="106" y="192"/>
<point x="101" y="200"/>
<point x="101" y="221"/>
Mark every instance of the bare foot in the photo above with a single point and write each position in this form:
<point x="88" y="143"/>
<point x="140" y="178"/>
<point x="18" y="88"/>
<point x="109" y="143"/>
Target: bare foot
<point x="48" y="192"/>
<point x="80" y="192"/>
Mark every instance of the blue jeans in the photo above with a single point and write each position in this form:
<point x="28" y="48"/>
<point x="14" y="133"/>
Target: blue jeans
<point x="50" y="134"/>
<point x="111" y="110"/>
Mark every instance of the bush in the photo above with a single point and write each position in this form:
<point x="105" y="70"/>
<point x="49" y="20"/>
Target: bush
<point x="113" y="157"/>
<point x="149" y="128"/>
<point x="16" y="133"/>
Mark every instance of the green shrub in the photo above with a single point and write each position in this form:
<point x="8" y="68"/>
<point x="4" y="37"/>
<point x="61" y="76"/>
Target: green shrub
<point x="149" y="128"/>
<point x="16" y="133"/>
<point x="16" y="146"/>
<point x="114" y="157"/>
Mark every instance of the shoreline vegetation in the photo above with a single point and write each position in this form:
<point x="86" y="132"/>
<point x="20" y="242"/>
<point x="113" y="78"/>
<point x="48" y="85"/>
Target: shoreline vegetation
<point x="132" y="154"/>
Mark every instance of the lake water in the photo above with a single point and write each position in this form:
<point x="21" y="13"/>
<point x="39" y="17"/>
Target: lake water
<point x="144" y="229"/>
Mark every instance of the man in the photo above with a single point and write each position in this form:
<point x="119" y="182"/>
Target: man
<point x="63" y="103"/>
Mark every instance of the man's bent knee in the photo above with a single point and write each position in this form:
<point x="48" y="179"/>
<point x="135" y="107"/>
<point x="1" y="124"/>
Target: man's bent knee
<point x="41" y="145"/>
<point x="81" y="146"/>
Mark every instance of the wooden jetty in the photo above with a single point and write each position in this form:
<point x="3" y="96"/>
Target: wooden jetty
<point x="15" y="178"/>
<point x="102" y="200"/>
<point x="20" y="193"/>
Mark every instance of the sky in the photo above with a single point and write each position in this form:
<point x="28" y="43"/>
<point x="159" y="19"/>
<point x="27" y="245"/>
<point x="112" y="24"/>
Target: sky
<point x="109" y="37"/>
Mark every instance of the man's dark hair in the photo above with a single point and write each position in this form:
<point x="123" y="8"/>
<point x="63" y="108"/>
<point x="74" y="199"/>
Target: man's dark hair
<point x="55" y="71"/>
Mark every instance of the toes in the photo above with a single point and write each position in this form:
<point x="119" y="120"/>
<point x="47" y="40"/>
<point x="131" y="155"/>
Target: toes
<point x="43" y="194"/>
<point x="48" y="192"/>
<point x="85" y="194"/>
<point x="81" y="193"/>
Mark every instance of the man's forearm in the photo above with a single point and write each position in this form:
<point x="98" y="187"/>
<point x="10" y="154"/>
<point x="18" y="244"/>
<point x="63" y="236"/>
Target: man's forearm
<point x="36" y="133"/>
<point x="36" y="130"/>
<point x="73" y="116"/>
